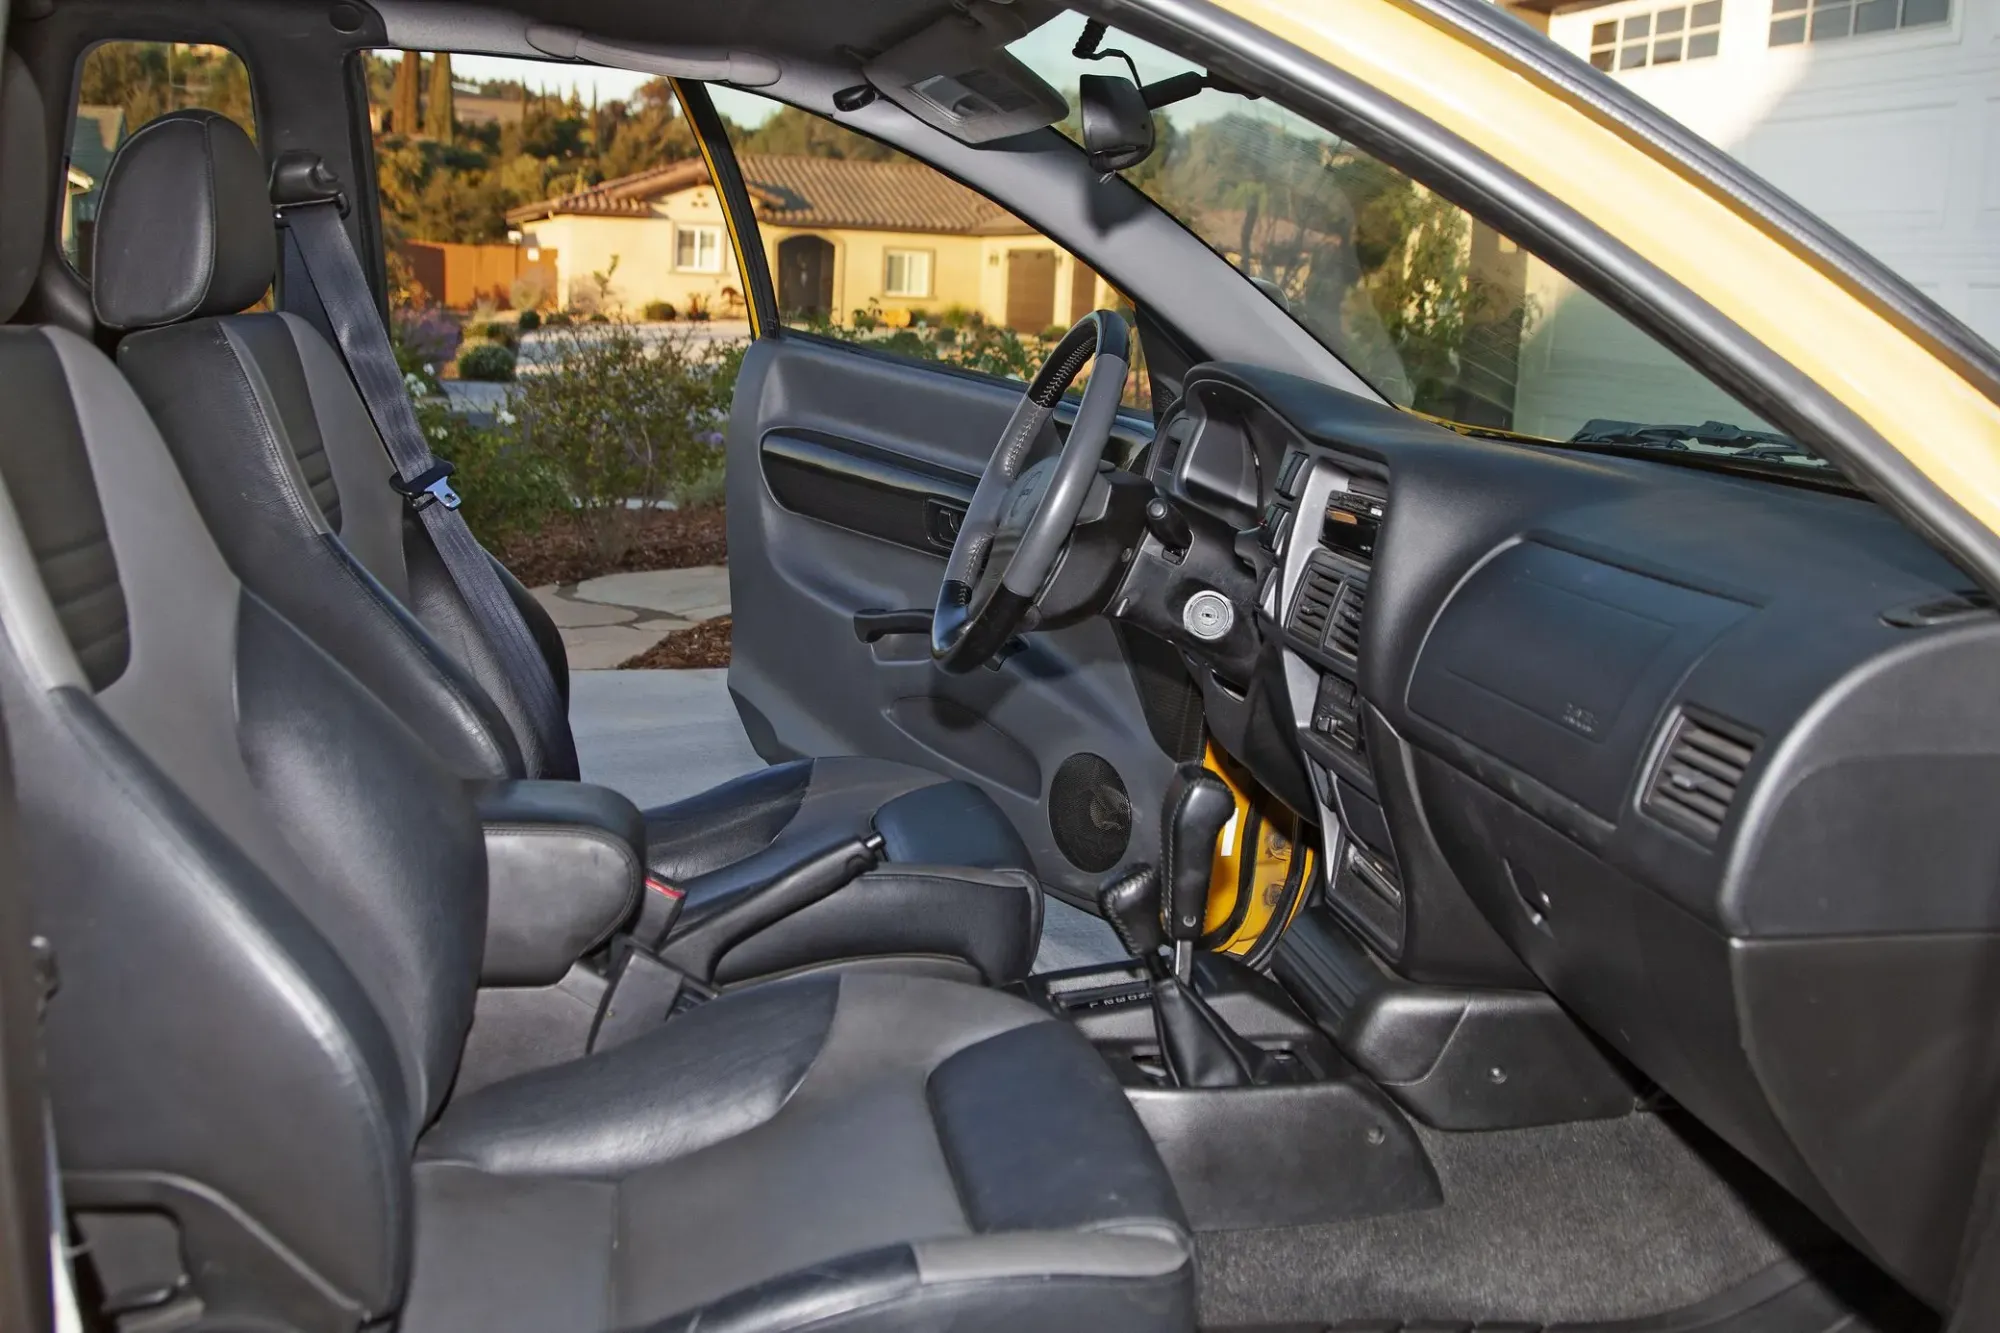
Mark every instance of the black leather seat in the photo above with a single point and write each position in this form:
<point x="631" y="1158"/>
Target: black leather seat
<point x="291" y="476"/>
<point x="266" y="900"/>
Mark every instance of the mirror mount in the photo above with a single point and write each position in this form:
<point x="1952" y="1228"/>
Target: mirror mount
<point x="1118" y="113"/>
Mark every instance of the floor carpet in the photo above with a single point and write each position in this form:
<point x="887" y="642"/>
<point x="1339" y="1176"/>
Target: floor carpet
<point x="1598" y="1220"/>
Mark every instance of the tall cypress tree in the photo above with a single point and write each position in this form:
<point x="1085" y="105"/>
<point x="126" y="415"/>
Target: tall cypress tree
<point x="404" y="106"/>
<point x="438" y="111"/>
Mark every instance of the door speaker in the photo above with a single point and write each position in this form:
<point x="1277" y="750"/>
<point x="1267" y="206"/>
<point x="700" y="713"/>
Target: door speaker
<point x="1090" y="813"/>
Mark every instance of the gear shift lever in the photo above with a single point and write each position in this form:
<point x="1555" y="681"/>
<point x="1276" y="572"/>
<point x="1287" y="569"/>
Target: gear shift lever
<point x="1199" y="806"/>
<point x="1131" y="903"/>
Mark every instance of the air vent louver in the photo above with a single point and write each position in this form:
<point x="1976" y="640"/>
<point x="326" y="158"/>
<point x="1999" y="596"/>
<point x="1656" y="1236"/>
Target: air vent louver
<point x="1344" y="634"/>
<point x="1312" y="605"/>
<point x="1700" y="769"/>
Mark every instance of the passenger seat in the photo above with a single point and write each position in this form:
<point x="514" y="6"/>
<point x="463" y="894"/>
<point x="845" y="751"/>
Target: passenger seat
<point x="265" y="899"/>
<point x="287" y="469"/>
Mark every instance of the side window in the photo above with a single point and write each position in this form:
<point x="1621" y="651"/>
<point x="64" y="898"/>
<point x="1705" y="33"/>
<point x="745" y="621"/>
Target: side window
<point x="871" y="246"/>
<point x="121" y="86"/>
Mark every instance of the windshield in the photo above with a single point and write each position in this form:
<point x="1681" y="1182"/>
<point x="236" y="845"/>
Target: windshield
<point x="1439" y="312"/>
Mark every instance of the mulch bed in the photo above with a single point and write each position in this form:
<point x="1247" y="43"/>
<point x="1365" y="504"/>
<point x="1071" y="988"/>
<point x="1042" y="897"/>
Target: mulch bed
<point x="562" y="551"/>
<point x="706" y="645"/>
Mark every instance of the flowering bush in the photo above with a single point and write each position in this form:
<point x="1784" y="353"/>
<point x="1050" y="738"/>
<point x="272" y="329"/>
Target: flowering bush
<point x="426" y="335"/>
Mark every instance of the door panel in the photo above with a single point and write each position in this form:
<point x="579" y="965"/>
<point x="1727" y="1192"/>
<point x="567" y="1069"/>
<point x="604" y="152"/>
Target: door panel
<point x="839" y="460"/>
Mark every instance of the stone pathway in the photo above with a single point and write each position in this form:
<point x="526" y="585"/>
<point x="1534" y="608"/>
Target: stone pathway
<point x="606" y="620"/>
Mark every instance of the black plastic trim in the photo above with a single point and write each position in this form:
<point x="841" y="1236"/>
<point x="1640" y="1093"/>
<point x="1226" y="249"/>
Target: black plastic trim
<point x="860" y="487"/>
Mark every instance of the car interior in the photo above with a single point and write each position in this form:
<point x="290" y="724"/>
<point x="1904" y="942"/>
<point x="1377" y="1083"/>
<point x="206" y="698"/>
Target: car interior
<point x="1622" y="957"/>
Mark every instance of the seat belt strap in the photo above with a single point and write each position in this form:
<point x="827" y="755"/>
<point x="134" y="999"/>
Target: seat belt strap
<point x="313" y="231"/>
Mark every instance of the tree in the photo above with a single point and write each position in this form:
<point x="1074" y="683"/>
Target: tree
<point x="149" y="79"/>
<point x="791" y="132"/>
<point x="438" y="112"/>
<point x="404" y="112"/>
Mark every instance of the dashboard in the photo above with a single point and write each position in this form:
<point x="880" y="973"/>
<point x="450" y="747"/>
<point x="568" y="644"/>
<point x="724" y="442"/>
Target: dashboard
<point x="1712" y="760"/>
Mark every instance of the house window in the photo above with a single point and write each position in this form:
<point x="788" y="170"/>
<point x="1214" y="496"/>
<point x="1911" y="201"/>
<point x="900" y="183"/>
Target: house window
<point x="907" y="273"/>
<point x="1796" y="21"/>
<point x="698" y="249"/>
<point x="1662" y="37"/>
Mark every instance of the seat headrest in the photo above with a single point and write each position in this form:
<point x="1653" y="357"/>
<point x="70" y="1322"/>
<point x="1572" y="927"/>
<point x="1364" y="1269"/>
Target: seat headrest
<point x="24" y="183"/>
<point x="184" y="228"/>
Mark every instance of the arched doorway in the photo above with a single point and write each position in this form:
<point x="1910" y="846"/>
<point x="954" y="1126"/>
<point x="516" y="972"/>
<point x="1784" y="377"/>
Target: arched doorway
<point x="805" y="275"/>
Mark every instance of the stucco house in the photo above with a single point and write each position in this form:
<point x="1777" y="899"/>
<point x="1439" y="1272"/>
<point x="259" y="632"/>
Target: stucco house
<point x="840" y="235"/>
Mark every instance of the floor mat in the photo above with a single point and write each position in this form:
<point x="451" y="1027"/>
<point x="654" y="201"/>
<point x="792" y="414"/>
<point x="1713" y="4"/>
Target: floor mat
<point x="1593" y="1221"/>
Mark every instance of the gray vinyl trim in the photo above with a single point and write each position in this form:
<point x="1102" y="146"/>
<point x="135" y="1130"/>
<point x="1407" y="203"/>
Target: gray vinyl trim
<point x="32" y="628"/>
<point x="1133" y="1254"/>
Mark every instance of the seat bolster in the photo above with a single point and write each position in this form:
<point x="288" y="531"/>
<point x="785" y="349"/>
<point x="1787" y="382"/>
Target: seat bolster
<point x="990" y="919"/>
<point x="707" y="1076"/>
<point x="1101" y="1171"/>
<point x="950" y="823"/>
<point x="1100" y="1282"/>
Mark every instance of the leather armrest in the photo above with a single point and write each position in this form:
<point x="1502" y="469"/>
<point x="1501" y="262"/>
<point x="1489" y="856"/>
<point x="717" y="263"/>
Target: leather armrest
<point x="565" y="865"/>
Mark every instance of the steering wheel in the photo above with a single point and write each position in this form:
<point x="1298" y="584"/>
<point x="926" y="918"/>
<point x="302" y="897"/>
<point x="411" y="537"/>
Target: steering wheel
<point x="1020" y="516"/>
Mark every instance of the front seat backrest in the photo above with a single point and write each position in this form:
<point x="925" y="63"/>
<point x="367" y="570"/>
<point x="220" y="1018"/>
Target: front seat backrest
<point x="261" y="415"/>
<point x="266" y="898"/>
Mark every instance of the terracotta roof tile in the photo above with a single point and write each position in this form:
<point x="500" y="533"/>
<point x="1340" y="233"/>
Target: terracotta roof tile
<point x="806" y="192"/>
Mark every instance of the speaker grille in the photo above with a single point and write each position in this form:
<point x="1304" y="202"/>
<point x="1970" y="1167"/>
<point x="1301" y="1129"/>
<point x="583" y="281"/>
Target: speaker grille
<point x="1090" y="813"/>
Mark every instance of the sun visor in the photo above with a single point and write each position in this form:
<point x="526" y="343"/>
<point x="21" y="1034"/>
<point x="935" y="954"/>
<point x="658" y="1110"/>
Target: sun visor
<point x="956" y="76"/>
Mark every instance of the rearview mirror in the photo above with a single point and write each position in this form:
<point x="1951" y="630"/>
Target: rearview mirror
<point x="1117" y="123"/>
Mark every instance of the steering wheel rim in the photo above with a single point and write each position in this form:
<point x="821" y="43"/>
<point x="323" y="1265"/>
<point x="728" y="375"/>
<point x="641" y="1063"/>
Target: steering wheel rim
<point x="965" y="632"/>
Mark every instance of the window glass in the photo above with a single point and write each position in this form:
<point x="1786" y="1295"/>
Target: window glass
<point x="698" y="249"/>
<point x="871" y="246"/>
<point x="908" y="273"/>
<point x="120" y="87"/>
<point x="1437" y="310"/>
<point x="1797" y="21"/>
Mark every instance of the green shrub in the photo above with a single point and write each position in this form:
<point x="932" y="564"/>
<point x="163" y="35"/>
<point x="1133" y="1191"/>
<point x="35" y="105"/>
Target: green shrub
<point x="623" y="416"/>
<point x="557" y="319"/>
<point x="486" y="361"/>
<point x="502" y="331"/>
<point x="507" y="490"/>
<point x="599" y="317"/>
<point x="659" y="312"/>
<point x="703" y="488"/>
<point x="530" y="321"/>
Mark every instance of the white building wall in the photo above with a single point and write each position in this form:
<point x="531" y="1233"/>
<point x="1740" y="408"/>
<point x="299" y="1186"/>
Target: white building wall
<point x="1893" y="138"/>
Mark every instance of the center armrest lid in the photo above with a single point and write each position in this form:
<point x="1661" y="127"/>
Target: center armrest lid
<point x="565" y="868"/>
<point x="582" y="804"/>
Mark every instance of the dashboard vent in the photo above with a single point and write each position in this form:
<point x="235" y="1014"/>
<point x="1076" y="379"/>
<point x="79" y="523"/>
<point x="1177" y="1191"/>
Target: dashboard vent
<point x="1344" y="635"/>
<point x="1701" y="767"/>
<point x="1312" y="605"/>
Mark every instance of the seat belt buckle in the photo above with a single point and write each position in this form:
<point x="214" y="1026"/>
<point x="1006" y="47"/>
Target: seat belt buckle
<point x="658" y="911"/>
<point x="429" y="487"/>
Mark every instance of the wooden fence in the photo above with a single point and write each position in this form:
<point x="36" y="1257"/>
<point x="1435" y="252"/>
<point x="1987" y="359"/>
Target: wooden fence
<point x="458" y="277"/>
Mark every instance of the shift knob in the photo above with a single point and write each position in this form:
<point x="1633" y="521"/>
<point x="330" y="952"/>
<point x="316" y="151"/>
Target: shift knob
<point x="1131" y="903"/>
<point x="1199" y="806"/>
